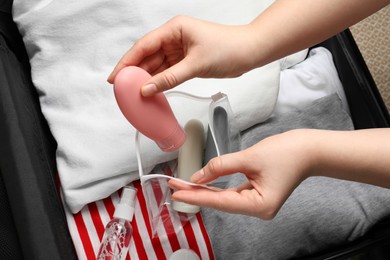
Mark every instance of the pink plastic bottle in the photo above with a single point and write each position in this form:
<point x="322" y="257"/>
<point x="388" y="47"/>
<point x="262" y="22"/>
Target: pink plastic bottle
<point x="152" y="116"/>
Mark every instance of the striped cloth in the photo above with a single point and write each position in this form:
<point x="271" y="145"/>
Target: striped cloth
<point x="87" y="229"/>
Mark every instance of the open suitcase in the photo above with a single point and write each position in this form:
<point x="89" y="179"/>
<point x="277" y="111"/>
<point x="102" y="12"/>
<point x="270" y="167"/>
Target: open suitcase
<point x="32" y="219"/>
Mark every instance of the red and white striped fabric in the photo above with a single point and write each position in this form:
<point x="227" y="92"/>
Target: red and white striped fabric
<point x="87" y="229"/>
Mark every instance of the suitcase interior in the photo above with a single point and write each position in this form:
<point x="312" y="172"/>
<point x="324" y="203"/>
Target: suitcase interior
<point x="32" y="219"/>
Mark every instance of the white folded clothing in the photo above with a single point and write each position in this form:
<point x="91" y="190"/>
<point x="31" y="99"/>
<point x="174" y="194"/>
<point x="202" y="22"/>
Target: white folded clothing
<point x="313" y="78"/>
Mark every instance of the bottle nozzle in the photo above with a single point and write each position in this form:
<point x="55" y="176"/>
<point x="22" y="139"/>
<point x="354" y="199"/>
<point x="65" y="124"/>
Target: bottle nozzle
<point x="125" y="208"/>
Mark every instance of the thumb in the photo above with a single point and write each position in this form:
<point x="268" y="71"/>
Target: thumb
<point x="169" y="78"/>
<point x="220" y="166"/>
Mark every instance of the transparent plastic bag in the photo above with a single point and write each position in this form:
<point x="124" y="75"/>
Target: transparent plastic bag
<point x="217" y="117"/>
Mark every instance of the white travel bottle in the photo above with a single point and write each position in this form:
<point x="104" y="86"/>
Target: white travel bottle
<point x="117" y="235"/>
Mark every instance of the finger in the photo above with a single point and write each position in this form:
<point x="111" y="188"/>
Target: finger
<point x="174" y="184"/>
<point x="169" y="78"/>
<point x="153" y="62"/>
<point x="245" y="186"/>
<point x="220" y="166"/>
<point x="247" y="202"/>
<point x="144" y="47"/>
<point x="180" y="185"/>
<point x="164" y="65"/>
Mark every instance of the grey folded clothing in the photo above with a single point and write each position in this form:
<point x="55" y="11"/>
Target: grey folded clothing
<point x="321" y="212"/>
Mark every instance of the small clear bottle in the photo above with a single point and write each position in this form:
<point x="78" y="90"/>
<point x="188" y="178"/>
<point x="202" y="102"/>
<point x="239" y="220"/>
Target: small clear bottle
<point x="116" y="240"/>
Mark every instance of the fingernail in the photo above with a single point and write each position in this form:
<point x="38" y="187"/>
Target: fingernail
<point x="109" y="77"/>
<point x="197" y="176"/>
<point x="149" y="90"/>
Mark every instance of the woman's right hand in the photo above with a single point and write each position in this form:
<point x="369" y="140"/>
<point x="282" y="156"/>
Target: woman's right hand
<point x="185" y="48"/>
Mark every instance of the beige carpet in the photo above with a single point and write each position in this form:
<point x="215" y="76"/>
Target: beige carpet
<point x="373" y="38"/>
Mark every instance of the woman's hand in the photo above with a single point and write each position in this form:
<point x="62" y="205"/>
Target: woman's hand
<point x="186" y="48"/>
<point x="274" y="167"/>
